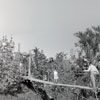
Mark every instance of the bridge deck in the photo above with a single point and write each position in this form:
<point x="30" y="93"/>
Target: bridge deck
<point x="58" y="84"/>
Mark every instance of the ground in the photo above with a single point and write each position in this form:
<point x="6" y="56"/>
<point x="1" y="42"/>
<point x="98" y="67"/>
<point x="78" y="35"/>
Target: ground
<point x="23" y="96"/>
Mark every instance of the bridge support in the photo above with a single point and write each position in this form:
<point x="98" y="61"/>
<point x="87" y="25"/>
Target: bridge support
<point x="29" y="66"/>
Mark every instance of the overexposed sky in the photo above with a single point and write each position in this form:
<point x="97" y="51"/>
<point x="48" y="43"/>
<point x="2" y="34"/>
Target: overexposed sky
<point x="47" y="24"/>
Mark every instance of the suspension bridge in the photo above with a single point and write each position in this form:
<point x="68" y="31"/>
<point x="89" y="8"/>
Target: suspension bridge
<point x="29" y="77"/>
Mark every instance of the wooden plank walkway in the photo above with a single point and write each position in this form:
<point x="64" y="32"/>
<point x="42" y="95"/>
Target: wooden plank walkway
<point x="58" y="84"/>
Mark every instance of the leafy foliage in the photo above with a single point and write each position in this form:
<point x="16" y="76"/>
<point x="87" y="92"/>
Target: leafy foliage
<point x="39" y="63"/>
<point x="89" y="41"/>
<point x="9" y="68"/>
<point x="13" y="65"/>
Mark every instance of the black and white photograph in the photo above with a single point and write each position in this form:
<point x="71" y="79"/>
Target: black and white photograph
<point x="49" y="49"/>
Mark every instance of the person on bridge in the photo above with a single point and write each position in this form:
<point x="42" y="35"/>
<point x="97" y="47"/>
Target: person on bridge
<point x="55" y="75"/>
<point x="93" y="73"/>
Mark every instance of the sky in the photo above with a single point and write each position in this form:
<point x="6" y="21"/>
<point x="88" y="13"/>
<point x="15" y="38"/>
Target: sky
<point x="47" y="24"/>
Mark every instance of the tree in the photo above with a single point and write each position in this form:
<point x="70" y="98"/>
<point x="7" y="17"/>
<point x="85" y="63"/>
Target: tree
<point x="89" y="41"/>
<point x="66" y="76"/>
<point x="40" y="62"/>
<point x="9" y="67"/>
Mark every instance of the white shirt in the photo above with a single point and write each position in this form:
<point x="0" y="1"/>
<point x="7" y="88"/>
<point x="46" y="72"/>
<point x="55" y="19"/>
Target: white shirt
<point x="21" y="64"/>
<point x="55" y="74"/>
<point x="93" y="68"/>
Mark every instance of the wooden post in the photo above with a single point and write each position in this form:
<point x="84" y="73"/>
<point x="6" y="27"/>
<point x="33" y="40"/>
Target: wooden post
<point x="99" y="46"/>
<point x="34" y="63"/>
<point x="19" y="47"/>
<point x="29" y="69"/>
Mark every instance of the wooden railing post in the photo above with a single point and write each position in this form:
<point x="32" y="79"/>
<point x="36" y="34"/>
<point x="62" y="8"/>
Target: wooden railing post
<point x="29" y="66"/>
